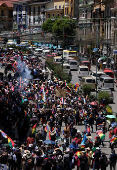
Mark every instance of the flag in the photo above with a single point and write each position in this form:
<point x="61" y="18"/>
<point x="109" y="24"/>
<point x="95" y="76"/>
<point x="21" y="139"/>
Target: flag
<point x="88" y="130"/>
<point x="26" y="112"/>
<point x="46" y="128"/>
<point x="63" y="85"/>
<point x="3" y="134"/>
<point x="11" y="142"/>
<point x="65" y="82"/>
<point x="76" y="87"/>
<point x="101" y="135"/>
<point x="62" y="101"/>
<point x="49" y="135"/>
<point x="78" y="153"/>
<point x="113" y="140"/>
<point x="84" y="140"/>
<point x="68" y="89"/>
<point x="34" y="129"/>
<point x="82" y="146"/>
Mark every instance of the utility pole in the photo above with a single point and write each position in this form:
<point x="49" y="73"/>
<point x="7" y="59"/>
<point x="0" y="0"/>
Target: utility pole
<point x="96" y="60"/>
<point x="63" y="46"/>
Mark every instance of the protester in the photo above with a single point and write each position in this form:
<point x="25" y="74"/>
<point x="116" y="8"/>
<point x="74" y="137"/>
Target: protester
<point x="38" y="124"/>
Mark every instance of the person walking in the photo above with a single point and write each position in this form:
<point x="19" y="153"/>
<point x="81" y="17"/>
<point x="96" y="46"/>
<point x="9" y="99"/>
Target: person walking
<point x="103" y="161"/>
<point x="113" y="158"/>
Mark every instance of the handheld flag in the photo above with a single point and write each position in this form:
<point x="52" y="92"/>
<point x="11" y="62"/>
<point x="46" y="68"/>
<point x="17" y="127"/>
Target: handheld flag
<point x="34" y="129"/>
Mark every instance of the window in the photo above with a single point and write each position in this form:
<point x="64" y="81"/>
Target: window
<point x="34" y="10"/>
<point x="2" y="12"/>
<point x="83" y="69"/>
<point x="56" y="7"/>
<point x="38" y="9"/>
<point x="108" y="80"/>
<point x="73" y="63"/>
<point x="59" y="6"/>
<point x="34" y="20"/>
<point x="57" y="15"/>
<point x="48" y="15"/>
<point x="53" y="15"/>
<point x="10" y="13"/>
<point x="90" y="81"/>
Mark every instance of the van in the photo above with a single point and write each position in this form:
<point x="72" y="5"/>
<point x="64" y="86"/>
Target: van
<point x="88" y="80"/>
<point x="83" y="71"/>
<point x="86" y="63"/>
<point x="59" y="51"/>
<point x="58" y="60"/>
<point x="46" y="52"/>
<point x="38" y="52"/>
<point x="66" y="68"/>
<point x="99" y="73"/>
<point x="109" y="72"/>
<point x="106" y="82"/>
<point x="73" y="64"/>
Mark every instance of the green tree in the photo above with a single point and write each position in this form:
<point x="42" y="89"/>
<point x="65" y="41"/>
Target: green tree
<point x="103" y="96"/>
<point x="86" y="89"/>
<point x="60" y="27"/>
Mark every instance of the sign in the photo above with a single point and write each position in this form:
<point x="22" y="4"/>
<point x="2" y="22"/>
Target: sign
<point x="60" y="92"/>
<point x="115" y="51"/>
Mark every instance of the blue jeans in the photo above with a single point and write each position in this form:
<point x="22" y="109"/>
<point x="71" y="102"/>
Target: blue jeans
<point x="70" y="165"/>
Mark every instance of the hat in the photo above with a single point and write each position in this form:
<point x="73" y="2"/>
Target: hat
<point x="87" y="148"/>
<point x="78" y="131"/>
<point x="59" y="157"/>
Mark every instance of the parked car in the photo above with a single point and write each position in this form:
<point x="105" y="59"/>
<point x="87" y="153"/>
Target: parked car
<point x="110" y="93"/>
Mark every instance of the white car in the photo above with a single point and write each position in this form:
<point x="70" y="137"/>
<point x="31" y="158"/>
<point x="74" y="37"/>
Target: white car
<point x="11" y="42"/>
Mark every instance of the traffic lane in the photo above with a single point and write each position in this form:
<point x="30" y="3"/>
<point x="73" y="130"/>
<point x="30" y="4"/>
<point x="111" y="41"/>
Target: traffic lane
<point x="114" y="104"/>
<point x="75" y="78"/>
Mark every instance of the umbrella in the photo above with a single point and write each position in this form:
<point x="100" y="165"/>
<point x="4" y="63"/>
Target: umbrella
<point x="93" y="103"/>
<point x="49" y="142"/>
<point x="113" y="124"/>
<point x="95" y="49"/>
<point x="103" y="58"/>
<point x="110" y="116"/>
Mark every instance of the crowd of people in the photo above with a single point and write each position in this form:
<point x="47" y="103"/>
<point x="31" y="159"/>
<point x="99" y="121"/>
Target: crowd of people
<point x="39" y="121"/>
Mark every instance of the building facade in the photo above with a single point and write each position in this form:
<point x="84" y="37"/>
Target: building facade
<point x="6" y="15"/>
<point x="54" y="8"/>
<point x="69" y="8"/>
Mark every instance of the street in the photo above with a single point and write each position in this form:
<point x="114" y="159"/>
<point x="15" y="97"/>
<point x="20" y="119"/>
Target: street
<point x="75" y="80"/>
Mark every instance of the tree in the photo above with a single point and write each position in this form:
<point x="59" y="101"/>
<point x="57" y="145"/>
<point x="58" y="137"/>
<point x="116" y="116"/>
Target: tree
<point x="86" y="89"/>
<point x="61" y="28"/>
<point x="104" y="96"/>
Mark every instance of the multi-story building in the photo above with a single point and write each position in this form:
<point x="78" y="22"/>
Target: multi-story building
<point x="20" y="9"/>
<point x="29" y="14"/>
<point x="85" y="36"/>
<point x="69" y="8"/>
<point x="114" y="30"/>
<point x="6" y="15"/>
<point x="54" y="8"/>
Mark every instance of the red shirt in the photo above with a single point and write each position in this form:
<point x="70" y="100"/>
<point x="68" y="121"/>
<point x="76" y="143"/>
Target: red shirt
<point x="29" y="141"/>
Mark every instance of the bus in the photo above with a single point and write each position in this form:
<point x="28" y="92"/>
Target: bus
<point x="69" y="53"/>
